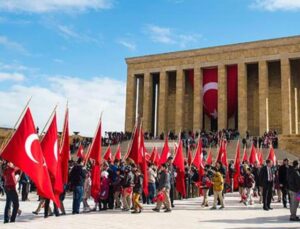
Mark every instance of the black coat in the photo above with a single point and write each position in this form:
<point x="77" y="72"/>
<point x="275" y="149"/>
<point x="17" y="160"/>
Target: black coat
<point x="77" y="176"/>
<point x="263" y="176"/>
<point x="283" y="175"/>
<point x="294" y="179"/>
<point x="138" y="184"/>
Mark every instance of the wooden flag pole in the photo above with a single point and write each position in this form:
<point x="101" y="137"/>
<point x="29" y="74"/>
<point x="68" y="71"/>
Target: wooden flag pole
<point x="48" y="121"/>
<point x="11" y="133"/>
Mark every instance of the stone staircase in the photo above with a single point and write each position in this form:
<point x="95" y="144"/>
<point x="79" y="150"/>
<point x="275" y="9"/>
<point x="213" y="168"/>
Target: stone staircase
<point x="231" y="149"/>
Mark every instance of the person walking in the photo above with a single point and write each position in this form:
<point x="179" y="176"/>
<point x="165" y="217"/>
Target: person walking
<point x="294" y="189"/>
<point x="137" y="191"/>
<point x="218" y="186"/>
<point x="249" y="185"/>
<point x="164" y="187"/>
<point x="127" y="184"/>
<point x="151" y="183"/>
<point x="11" y="192"/>
<point x="266" y="181"/>
<point x="283" y="181"/>
<point x="77" y="176"/>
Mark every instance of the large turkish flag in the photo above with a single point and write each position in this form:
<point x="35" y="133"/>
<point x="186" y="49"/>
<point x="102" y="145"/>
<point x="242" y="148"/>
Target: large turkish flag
<point x="210" y="91"/>
<point x="24" y="151"/>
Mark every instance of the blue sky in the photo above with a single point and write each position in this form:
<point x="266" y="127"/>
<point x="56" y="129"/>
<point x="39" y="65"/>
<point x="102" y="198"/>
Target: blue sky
<point x="56" y="50"/>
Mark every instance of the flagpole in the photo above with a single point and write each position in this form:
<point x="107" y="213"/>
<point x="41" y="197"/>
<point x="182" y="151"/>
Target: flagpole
<point x="9" y="136"/>
<point x="48" y="121"/>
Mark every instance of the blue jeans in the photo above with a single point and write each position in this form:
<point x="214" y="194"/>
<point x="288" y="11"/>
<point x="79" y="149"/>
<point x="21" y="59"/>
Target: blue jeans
<point x="77" y="198"/>
<point x="152" y="192"/>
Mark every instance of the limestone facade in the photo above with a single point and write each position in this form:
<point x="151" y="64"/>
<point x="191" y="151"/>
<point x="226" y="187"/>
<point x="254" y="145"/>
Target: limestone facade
<point x="268" y="75"/>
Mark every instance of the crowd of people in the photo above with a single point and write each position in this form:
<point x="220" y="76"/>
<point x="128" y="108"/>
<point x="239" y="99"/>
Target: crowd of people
<point x="122" y="186"/>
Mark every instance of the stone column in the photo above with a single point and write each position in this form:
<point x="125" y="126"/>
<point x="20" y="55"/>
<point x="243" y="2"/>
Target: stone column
<point x="162" y="102"/>
<point x="180" y="87"/>
<point x="263" y="93"/>
<point x="147" y="103"/>
<point x="242" y="99"/>
<point x="286" y="96"/>
<point x="222" y="97"/>
<point x="130" y="101"/>
<point x="198" y="99"/>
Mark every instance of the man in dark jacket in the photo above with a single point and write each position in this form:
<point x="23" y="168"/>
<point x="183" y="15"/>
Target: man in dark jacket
<point x="266" y="181"/>
<point x="127" y="184"/>
<point x="282" y="175"/>
<point x="77" y="176"/>
<point x="171" y="170"/>
<point x="294" y="188"/>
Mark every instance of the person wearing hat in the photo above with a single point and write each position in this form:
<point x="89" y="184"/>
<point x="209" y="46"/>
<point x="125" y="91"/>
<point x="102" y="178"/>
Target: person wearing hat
<point x="294" y="189"/>
<point x="282" y="176"/>
<point x="127" y="185"/>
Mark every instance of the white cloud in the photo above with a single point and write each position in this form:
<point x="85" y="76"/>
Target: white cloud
<point x="87" y="98"/>
<point x="127" y="44"/>
<point x="69" y="33"/>
<point x="165" y="35"/>
<point x="274" y="5"/>
<point x="11" y="76"/>
<point x="59" y="61"/>
<point x="44" y="6"/>
<point x="7" y="43"/>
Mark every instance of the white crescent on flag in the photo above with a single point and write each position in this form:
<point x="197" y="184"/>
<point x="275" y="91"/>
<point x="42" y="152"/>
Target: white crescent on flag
<point x="28" y="143"/>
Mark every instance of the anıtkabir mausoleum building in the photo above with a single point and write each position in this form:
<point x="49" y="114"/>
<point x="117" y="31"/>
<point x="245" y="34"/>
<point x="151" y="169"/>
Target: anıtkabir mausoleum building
<point x="250" y="86"/>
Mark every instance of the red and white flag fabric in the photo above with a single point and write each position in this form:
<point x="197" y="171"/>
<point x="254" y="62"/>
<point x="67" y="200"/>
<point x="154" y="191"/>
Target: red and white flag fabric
<point x="165" y="152"/>
<point x="95" y="154"/>
<point x="253" y="155"/>
<point x="179" y="163"/>
<point x="25" y="152"/>
<point x="134" y="151"/>
<point x="118" y="153"/>
<point x="65" y="149"/>
<point x="245" y="155"/>
<point x="108" y="155"/>
<point x="237" y="168"/>
<point x="198" y="158"/>
<point x="210" y="92"/>
<point x="272" y="156"/>
<point x="209" y="158"/>
<point x="50" y="150"/>
<point x="80" y="152"/>
<point x="222" y="154"/>
<point x="154" y="158"/>
<point x="144" y="164"/>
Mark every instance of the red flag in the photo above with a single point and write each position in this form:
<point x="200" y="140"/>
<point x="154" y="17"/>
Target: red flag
<point x="95" y="149"/>
<point x="165" y="152"/>
<point x="108" y="155"/>
<point x="237" y="164"/>
<point x="197" y="158"/>
<point x="144" y="163"/>
<point x="50" y="150"/>
<point x="95" y="154"/>
<point x="153" y="157"/>
<point x="24" y="151"/>
<point x="118" y="153"/>
<point x="222" y="154"/>
<point x="245" y="155"/>
<point x="134" y="152"/>
<point x="253" y="155"/>
<point x="80" y="153"/>
<point x="190" y="156"/>
<point x="50" y="147"/>
<point x="272" y="156"/>
<point x="209" y="159"/>
<point x="96" y="182"/>
<point x="179" y="163"/>
<point x="65" y="149"/>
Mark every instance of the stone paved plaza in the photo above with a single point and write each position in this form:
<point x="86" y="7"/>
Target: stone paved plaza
<point x="186" y="214"/>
